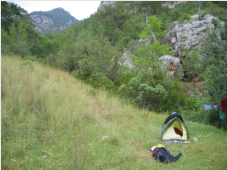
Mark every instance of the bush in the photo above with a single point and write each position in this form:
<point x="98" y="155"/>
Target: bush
<point x="32" y="58"/>
<point x="124" y="75"/>
<point x="41" y="60"/>
<point x="185" y="17"/>
<point x="6" y="49"/>
<point x="156" y="92"/>
<point x="21" y="48"/>
<point x="52" y="60"/>
<point x="27" y="64"/>
<point x="143" y="94"/>
<point x="90" y="55"/>
<point x="178" y="96"/>
<point x="196" y="103"/>
<point x="216" y="22"/>
<point x="99" y="80"/>
<point x="219" y="12"/>
<point x="202" y="14"/>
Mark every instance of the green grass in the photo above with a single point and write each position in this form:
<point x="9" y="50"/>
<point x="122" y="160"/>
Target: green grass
<point x="50" y="120"/>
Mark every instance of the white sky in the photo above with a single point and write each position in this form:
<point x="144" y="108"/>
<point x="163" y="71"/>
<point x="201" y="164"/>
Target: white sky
<point x="79" y="9"/>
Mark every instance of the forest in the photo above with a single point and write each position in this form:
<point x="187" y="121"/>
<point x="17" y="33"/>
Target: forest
<point x="91" y="51"/>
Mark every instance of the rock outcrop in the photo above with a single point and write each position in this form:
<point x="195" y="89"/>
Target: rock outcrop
<point x="43" y="22"/>
<point x="172" y="65"/>
<point x="188" y="34"/>
<point x="104" y="3"/>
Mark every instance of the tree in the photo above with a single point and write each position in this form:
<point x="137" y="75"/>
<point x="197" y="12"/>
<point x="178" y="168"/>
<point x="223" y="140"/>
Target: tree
<point x="13" y="14"/>
<point x="94" y="55"/>
<point x="89" y="56"/>
<point x="191" y="64"/>
<point x="148" y="55"/>
<point x="113" y="19"/>
<point x="155" y="26"/>
<point x="214" y="61"/>
<point x="198" y="5"/>
<point x="5" y="42"/>
<point x="46" y="47"/>
<point x="148" y="7"/>
<point x="10" y="12"/>
<point x="18" y="38"/>
<point x="223" y="4"/>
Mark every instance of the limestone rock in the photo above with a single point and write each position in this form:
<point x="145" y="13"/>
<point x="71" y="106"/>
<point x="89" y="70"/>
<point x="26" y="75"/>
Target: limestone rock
<point x="126" y="59"/>
<point x="188" y="34"/>
<point x="171" y="64"/>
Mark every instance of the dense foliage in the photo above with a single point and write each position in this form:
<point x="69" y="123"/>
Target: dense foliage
<point x="15" y="20"/>
<point x="214" y="53"/>
<point x="91" y="51"/>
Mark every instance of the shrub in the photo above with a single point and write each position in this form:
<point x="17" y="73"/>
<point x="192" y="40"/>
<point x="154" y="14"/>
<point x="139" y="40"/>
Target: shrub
<point x="219" y="12"/>
<point x="32" y="58"/>
<point x="177" y="97"/>
<point x="156" y="93"/>
<point x="52" y="60"/>
<point x="202" y="14"/>
<point x="27" y="64"/>
<point x="124" y="75"/>
<point x="21" y="48"/>
<point x="216" y="22"/>
<point x="98" y="80"/>
<point x="185" y="17"/>
<point x="143" y="94"/>
<point x="195" y="101"/>
<point x="6" y="49"/>
<point x="41" y="60"/>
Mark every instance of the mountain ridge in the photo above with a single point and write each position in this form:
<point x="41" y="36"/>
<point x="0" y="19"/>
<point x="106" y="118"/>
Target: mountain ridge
<point x="53" y="20"/>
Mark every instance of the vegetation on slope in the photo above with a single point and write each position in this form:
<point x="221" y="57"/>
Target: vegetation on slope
<point x="50" y="120"/>
<point x="81" y="48"/>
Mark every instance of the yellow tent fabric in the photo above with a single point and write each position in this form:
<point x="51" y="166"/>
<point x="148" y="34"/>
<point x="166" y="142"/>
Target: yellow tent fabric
<point x="174" y="128"/>
<point x="171" y="133"/>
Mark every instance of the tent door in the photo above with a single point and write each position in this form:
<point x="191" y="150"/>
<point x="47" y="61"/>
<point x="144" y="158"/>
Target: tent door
<point x="175" y="131"/>
<point x="178" y="128"/>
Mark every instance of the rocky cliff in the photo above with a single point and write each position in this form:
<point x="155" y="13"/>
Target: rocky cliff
<point x="54" y="20"/>
<point x="188" y="34"/>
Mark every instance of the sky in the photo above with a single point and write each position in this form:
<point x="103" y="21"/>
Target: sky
<point x="79" y="9"/>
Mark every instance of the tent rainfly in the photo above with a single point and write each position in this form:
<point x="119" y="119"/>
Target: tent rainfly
<point x="174" y="128"/>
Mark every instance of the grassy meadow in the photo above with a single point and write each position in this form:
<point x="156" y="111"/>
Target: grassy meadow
<point x="50" y="120"/>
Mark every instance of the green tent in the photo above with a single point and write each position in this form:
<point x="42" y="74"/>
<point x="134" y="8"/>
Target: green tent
<point x="174" y="128"/>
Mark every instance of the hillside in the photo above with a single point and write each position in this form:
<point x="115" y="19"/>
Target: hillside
<point x="54" y="20"/>
<point x="148" y="52"/>
<point x="50" y="120"/>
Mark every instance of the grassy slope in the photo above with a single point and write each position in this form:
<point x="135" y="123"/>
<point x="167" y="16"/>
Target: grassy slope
<point x="49" y="120"/>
